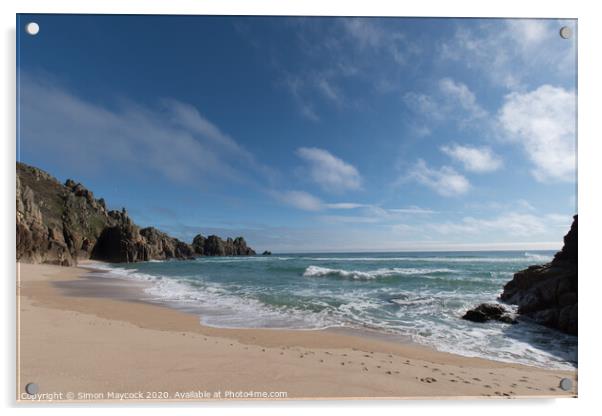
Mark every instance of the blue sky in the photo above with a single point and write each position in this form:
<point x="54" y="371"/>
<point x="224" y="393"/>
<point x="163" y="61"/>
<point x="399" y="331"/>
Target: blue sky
<point x="311" y="134"/>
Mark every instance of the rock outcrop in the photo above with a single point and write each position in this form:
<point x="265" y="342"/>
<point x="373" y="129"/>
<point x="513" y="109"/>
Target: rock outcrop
<point x="55" y="223"/>
<point x="489" y="312"/>
<point x="60" y="224"/>
<point x="547" y="294"/>
<point x="215" y="246"/>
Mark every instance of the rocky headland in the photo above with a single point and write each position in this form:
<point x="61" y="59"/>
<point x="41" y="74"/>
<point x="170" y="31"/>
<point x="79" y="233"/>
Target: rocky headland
<point x="63" y="223"/>
<point x="546" y="294"/>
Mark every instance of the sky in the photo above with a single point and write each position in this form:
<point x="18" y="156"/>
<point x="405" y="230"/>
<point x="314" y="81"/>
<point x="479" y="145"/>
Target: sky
<point x="309" y="134"/>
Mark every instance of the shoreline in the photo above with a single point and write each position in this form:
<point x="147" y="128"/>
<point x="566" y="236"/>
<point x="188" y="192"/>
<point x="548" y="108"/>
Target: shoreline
<point x="174" y="351"/>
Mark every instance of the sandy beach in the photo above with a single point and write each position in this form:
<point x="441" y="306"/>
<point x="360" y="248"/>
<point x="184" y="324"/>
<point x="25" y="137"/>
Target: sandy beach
<point x="83" y="338"/>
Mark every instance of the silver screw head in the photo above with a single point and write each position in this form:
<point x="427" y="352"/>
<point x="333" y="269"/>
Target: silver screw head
<point x="566" y="384"/>
<point x="31" y="388"/>
<point x="32" y="28"/>
<point x="565" y="32"/>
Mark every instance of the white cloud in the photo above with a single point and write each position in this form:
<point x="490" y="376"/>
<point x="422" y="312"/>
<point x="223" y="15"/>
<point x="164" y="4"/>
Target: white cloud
<point x="474" y="159"/>
<point x="299" y="199"/>
<point x="451" y="100"/>
<point x="328" y="171"/>
<point x="529" y="33"/>
<point x="424" y="105"/>
<point x="173" y="140"/>
<point x="543" y="123"/>
<point x="364" y="31"/>
<point x="345" y="205"/>
<point x="445" y="181"/>
<point x="508" y="51"/>
<point x="297" y="88"/>
<point x="414" y="210"/>
<point x="514" y="224"/>
<point x="459" y="93"/>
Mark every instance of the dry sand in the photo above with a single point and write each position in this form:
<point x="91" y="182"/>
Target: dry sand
<point x="83" y="338"/>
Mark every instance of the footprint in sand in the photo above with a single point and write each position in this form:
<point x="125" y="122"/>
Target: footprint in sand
<point x="428" y="380"/>
<point x="476" y="379"/>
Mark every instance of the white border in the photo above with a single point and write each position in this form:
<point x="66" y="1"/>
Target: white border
<point x="590" y="209"/>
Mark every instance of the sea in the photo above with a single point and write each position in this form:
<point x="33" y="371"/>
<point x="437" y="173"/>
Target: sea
<point x="408" y="297"/>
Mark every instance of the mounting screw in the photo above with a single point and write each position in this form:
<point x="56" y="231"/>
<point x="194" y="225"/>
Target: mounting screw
<point x="32" y="28"/>
<point x="565" y="32"/>
<point x="31" y="388"/>
<point x="566" y="384"/>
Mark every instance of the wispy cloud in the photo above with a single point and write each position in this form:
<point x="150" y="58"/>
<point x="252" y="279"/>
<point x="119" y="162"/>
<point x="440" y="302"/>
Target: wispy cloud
<point x="458" y="93"/>
<point x="297" y="87"/>
<point x="368" y="51"/>
<point x="328" y="171"/>
<point x="507" y="224"/>
<point x="543" y="123"/>
<point x="172" y="139"/>
<point x="450" y="100"/>
<point x="509" y="51"/>
<point x="345" y="205"/>
<point x="474" y="159"/>
<point x="445" y="180"/>
<point x="299" y="199"/>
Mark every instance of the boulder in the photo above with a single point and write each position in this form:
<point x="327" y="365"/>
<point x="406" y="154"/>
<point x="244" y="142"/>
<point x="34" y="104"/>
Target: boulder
<point x="489" y="312"/>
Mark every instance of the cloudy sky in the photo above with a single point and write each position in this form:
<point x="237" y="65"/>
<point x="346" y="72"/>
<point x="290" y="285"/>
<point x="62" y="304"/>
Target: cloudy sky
<point x="311" y="134"/>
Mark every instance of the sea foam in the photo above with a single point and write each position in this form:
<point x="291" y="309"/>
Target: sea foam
<point x="317" y="271"/>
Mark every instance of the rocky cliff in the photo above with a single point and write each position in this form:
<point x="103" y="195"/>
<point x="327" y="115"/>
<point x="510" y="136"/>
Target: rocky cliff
<point x="60" y="224"/>
<point x="548" y="293"/>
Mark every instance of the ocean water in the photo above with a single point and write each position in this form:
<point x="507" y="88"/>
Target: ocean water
<point x="414" y="296"/>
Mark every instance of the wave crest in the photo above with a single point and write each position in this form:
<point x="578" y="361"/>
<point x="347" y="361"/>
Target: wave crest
<point x="317" y="271"/>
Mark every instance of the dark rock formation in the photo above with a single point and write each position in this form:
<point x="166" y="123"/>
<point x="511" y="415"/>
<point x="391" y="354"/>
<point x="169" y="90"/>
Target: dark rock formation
<point x="63" y="223"/>
<point x="489" y="312"/>
<point x="548" y="293"/>
<point x="266" y="253"/>
<point x="215" y="246"/>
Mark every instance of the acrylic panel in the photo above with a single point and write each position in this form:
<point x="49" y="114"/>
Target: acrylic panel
<point x="248" y="207"/>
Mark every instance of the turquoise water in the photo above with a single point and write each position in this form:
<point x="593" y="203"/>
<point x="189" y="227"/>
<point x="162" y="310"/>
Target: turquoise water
<point x="419" y="296"/>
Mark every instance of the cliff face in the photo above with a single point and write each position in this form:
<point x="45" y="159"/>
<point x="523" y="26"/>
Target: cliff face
<point x="548" y="293"/>
<point x="60" y="224"/>
<point x="55" y="223"/>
